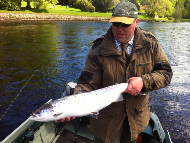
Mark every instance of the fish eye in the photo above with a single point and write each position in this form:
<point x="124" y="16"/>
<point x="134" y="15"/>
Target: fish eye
<point x="38" y="112"/>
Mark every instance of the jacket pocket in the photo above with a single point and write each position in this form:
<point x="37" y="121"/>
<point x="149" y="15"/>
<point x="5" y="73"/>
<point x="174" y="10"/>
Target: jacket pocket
<point x="143" y="68"/>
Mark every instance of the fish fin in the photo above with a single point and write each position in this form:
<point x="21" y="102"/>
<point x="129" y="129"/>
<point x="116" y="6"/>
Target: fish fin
<point x="94" y="114"/>
<point x="120" y="98"/>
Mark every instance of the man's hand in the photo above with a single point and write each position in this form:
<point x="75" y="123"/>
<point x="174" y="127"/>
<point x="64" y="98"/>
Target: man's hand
<point x="66" y="119"/>
<point x="135" y="85"/>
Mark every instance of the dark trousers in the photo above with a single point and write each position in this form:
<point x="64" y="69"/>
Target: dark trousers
<point x="124" y="135"/>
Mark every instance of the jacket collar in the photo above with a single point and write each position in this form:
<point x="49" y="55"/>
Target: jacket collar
<point x="108" y="47"/>
<point x="141" y="44"/>
<point x="140" y="40"/>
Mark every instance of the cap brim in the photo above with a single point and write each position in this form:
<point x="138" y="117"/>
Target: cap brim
<point x="125" y="20"/>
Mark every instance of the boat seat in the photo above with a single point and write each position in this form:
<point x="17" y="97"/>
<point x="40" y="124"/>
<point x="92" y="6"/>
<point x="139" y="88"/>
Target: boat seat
<point x="70" y="137"/>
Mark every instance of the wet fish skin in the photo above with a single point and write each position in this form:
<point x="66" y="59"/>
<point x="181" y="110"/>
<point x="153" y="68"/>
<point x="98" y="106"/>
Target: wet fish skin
<point x="80" y="104"/>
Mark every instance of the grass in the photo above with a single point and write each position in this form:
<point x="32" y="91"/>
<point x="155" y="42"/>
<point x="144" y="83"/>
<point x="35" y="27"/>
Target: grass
<point x="144" y="17"/>
<point x="58" y="9"/>
<point x="72" y="11"/>
<point x="184" y="20"/>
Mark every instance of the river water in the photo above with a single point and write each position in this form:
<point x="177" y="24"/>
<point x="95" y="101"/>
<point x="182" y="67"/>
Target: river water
<point x="37" y="59"/>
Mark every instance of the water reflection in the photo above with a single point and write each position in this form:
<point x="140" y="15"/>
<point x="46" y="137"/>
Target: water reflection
<point x="56" y="52"/>
<point x="28" y="48"/>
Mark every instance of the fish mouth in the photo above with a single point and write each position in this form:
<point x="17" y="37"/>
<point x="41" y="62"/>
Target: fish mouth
<point x="33" y="115"/>
<point x="36" y="118"/>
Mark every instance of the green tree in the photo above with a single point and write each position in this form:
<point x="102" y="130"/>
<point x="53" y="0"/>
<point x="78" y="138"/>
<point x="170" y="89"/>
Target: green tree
<point x="11" y="5"/>
<point x="181" y="4"/>
<point x="84" y="5"/>
<point x="43" y="3"/>
<point x="161" y="8"/>
<point x="28" y="4"/>
<point x="188" y="9"/>
<point x="177" y="12"/>
<point x="166" y="8"/>
<point x="104" y="5"/>
<point x="136" y="2"/>
<point x="67" y="2"/>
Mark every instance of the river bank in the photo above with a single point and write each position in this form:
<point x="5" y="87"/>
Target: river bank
<point x="54" y="17"/>
<point x="48" y="17"/>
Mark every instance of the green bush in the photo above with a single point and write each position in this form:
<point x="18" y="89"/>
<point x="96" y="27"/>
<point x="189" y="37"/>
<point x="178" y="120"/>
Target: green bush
<point x="40" y="5"/>
<point x="11" y="5"/>
<point x="84" y="5"/>
<point x="171" y="18"/>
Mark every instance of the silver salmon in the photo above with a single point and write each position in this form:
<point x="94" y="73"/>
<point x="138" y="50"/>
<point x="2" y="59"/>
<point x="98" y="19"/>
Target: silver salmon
<point x="88" y="103"/>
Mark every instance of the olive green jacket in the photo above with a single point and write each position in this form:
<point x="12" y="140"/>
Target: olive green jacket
<point x="105" y="66"/>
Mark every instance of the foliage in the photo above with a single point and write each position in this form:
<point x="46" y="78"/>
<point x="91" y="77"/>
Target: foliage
<point x="188" y="10"/>
<point x="136" y="2"/>
<point x="167" y="8"/>
<point x="66" y="2"/>
<point x="28" y="3"/>
<point x="162" y="8"/>
<point x="11" y="5"/>
<point x="40" y="3"/>
<point x="84" y="5"/>
<point x="184" y="20"/>
<point x="184" y="13"/>
<point x="54" y="2"/>
<point x="104" y="5"/>
<point x="178" y="12"/>
<point x="180" y="5"/>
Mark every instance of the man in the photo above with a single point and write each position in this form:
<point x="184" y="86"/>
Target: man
<point x="143" y="64"/>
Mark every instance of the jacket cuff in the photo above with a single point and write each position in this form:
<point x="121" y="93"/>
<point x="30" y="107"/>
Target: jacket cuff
<point x="147" y="80"/>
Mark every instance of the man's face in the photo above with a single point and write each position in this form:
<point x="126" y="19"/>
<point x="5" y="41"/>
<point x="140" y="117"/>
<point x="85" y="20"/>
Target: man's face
<point x="124" y="35"/>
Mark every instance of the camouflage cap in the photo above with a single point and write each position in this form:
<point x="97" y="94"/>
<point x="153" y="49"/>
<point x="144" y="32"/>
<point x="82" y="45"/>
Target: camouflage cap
<point x="124" y="12"/>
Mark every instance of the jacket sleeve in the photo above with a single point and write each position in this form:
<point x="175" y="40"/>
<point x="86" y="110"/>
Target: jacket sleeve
<point x="162" y="73"/>
<point x="91" y="76"/>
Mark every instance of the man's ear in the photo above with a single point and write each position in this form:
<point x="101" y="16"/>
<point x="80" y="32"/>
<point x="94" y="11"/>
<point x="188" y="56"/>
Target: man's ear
<point x="136" y="22"/>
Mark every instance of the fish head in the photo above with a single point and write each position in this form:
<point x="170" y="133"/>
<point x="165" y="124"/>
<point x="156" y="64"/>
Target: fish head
<point x="45" y="114"/>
